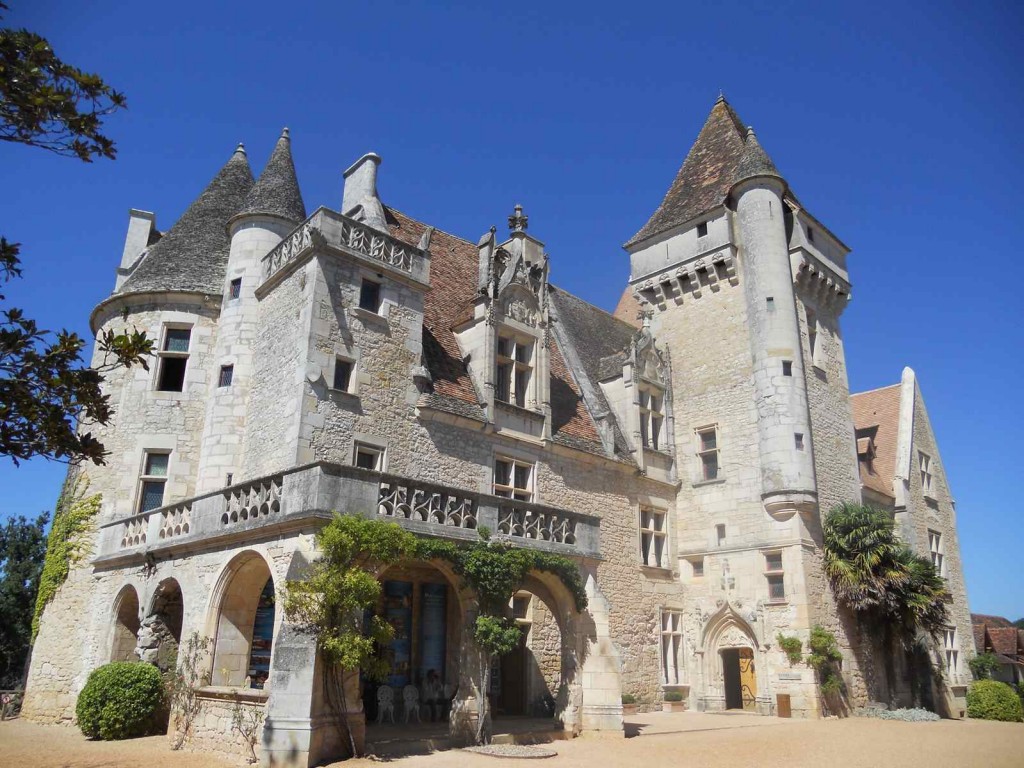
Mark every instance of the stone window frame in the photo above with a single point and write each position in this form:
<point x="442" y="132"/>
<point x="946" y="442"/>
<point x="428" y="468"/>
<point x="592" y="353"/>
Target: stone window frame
<point x="353" y="378"/>
<point x="774" y="574"/>
<point x="510" y="388"/>
<point x="937" y="550"/>
<point x="234" y="289"/>
<point x="705" y="454"/>
<point x="649" y="531"/>
<point x="167" y="354"/>
<point x="670" y="631"/>
<point x="227" y="371"/>
<point x="651" y="402"/>
<point x="364" y="280"/>
<point x="146" y="477"/>
<point x="697" y="567"/>
<point x="511" y="490"/>
<point x="363" y="446"/>
<point x="951" y="650"/>
<point x="924" y="463"/>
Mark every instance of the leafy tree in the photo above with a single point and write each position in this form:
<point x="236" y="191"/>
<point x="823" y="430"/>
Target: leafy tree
<point x="897" y="593"/>
<point x="46" y="390"/>
<point x="983" y="665"/>
<point x="824" y="657"/>
<point x="22" y="549"/>
<point x="1019" y="623"/>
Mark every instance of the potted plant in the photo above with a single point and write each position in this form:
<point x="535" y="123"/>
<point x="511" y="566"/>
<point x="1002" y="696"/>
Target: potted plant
<point x="629" y="704"/>
<point x="673" y="702"/>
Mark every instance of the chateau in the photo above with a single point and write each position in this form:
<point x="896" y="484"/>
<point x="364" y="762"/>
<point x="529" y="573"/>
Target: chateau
<point x="682" y="451"/>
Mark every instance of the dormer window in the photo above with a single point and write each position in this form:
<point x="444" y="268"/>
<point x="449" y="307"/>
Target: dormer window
<point x="369" y="296"/>
<point x="702" y="229"/>
<point x="652" y="416"/>
<point x="513" y="369"/>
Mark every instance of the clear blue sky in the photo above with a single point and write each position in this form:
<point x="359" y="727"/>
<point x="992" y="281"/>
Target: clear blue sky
<point x="897" y="124"/>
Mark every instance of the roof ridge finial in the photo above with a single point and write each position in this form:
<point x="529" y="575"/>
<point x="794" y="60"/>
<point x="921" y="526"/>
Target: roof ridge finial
<point x="721" y="97"/>
<point x="517" y="222"/>
<point x="240" y="148"/>
<point x="285" y="135"/>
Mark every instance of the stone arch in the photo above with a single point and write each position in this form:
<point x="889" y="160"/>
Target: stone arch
<point x="243" y="601"/>
<point x="727" y="632"/>
<point x="126" y="624"/>
<point x="160" y="633"/>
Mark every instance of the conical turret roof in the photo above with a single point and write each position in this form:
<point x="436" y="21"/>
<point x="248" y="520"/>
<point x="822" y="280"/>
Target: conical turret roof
<point x="193" y="255"/>
<point x="724" y="153"/>
<point x="276" y="192"/>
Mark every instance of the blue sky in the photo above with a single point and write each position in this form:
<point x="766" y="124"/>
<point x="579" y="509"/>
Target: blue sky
<point x="897" y="124"/>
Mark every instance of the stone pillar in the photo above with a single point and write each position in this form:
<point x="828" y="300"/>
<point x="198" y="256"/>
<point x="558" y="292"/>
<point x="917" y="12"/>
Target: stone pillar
<point x="601" y="672"/>
<point x="464" y="716"/>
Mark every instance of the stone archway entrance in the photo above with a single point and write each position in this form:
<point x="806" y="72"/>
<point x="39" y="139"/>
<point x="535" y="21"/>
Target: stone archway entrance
<point x="740" y="678"/>
<point x="731" y="656"/>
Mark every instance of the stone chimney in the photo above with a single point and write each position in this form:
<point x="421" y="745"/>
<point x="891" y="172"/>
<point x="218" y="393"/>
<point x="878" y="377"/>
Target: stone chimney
<point x="359" y="200"/>
<point x="140" y="228"/>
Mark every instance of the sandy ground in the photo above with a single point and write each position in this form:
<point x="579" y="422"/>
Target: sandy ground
<point x="688" y="739"/>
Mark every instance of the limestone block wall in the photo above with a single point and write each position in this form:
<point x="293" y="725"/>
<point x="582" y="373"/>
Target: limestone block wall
<point x="545" y="644"/>
<point x="214" y="733"/>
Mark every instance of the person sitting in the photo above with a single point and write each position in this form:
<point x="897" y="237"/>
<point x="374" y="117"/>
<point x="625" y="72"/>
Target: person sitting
<point x="433" y="695"/>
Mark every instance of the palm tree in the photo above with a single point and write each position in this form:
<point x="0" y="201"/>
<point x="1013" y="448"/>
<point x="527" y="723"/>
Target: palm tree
<point x="897" y="593"/>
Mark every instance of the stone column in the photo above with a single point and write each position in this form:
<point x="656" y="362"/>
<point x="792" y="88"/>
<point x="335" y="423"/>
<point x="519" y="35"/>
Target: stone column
<point x="601" y="700"/>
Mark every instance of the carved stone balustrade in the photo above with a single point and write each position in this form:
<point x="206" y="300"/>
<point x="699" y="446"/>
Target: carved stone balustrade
<point x="305" y="498"/>
<point x="329" y="230"/>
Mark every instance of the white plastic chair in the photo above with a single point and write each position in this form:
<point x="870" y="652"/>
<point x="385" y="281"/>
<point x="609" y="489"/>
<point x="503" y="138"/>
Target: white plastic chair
<point x="385" y="704"/>
<point x="411" y="700"/>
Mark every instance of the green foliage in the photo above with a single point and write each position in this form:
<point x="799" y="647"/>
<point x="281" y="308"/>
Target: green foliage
<point x="247" y="720"/>
<point x="68" y="541"/>
<point x="825" y="657"/>
<point x="186" y="676"/>
<point x="992" y="700"/>
<point x="1019" y="623"/>
<point x="496" y="636"/>
<point x="47" y="393"/>
<point x="673" y="695"/>
<point x="121" y="700"/>
<point x="22" y="550"/>
<point x="983" y="665"/>
<point x="792" y="647"/>
<point x="628" y="698"/>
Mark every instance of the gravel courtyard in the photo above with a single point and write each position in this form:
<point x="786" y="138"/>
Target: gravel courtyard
<point x="690" y="739"/>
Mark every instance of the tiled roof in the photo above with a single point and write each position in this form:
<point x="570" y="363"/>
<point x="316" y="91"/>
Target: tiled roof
<point x="277" y="190"/>
<point x="454" y="265"/>
<point x="628" y="308"/>
<point x="193" y="254"/>
<point x="880" y="409"/>
<point x="992" y="621"/>
<point x="1004" y="640"/>
<point x="721" y="156"/>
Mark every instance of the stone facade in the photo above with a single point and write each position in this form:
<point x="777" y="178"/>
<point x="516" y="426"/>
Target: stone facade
<point x="363" y="362"/>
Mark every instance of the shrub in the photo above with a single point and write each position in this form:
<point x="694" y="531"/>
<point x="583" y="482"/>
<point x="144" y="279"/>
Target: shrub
<point x="120" y="701"/>
<point x="673" y="695"/>
<point x="992" y="700"/>
<point x="628" y="698"/>
<point x="983" y="665"/>
<point x="792" y="647"/>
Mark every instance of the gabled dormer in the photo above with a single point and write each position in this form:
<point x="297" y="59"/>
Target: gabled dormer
<point x="504" y="334"/>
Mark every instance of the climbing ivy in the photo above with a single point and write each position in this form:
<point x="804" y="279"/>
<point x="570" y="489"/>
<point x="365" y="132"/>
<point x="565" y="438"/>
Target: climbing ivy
<point x="68" y="542"/>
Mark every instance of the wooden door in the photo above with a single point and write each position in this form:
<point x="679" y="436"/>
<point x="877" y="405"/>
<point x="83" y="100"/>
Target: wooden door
<point x="748" y="678"/>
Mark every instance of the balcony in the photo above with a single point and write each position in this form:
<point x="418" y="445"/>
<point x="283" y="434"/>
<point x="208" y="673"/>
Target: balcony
<point x="307" y="496"/>
<point x="330" y="230"/>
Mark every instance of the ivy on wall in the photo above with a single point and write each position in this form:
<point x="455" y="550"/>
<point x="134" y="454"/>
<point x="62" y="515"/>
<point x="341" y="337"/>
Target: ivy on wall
<point x="68" y="542"/>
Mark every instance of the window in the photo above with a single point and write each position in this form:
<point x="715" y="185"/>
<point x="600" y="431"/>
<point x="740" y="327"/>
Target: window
<point x="229" y="478"/>
<point x="787" y="367"/>
<point x="769" y="303"/>
<point x="369" y="296"/>
<point x="227" y="372"/>
<point x="173" y="356"/>
<point x="697" y="564"/>
<point x="720" y="533"/>
<point x="810" y="235"/>
<point x="235" y="288"/>
<point x="514" y="369"/>
<point x="368" y="457"/>
<point x="342" y="374"/>
<point x="671" y="647"/>
<point x="926" y="472"/>
<point x="653" y="538"/>
<point x="153" y="480"/>
<point x="774" y="575"/>
<point x="652" y="416"/>
<point x="521" y="606"/>
<point x="702" y="229"/>
<point x="513" y="479"/>
<point x="937" y="549"/>
<point x="707" y="450"/>
<point x="952" y="652"/>
<point x="798" y="440"/>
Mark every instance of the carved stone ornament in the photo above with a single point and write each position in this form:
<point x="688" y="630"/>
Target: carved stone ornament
<point x="518" y="309"/>
<point x="734" y="637"/>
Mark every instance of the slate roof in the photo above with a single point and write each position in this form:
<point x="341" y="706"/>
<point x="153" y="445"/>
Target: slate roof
<point x="879" y="409"/>
<point x="453" y="277"/>
<point x="193" y="254"/>
<point x="277" y="192"/>
<point x="723" y="154"/>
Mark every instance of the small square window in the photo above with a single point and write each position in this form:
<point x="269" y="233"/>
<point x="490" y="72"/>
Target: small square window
<point x="342" y="374"/>
<point x="769" y="303"/>
<point x="707" y="450"/>
<point x="235" y="289"/>
<point x="227" y="372"/>
<point x="773" y="561"/>
<point x="810" y="235"/>
<point x="229" y="478"/>
<point x="787" y="367"/>
<point x="521" y="607"/>
<point x="702" y="229"/>
<point x="369" y="296"/>
<point x="513" y="479"/>
<point x="720" y="533"/>
<point x="776" y="586"/>
<point x="798" y="440"/>
<point x="697" y="564"/>
<point x="368" y="457"/>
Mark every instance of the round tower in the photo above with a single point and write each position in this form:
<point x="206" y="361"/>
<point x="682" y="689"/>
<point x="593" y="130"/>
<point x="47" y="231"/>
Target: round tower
<point x="271" y="210"/>
<point x="784" y="432"/>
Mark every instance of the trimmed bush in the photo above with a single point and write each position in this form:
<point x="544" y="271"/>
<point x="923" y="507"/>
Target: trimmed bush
<point x="992" y="700"/>
<point x="120" y="701"/>
<point x="673" y="695"/>
<point x="628" y="698"/>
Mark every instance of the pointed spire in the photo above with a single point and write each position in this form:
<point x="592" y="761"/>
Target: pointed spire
<point x="276" y="192"/>
<point x="193" y="254"/>
<point x="755" y="161"/>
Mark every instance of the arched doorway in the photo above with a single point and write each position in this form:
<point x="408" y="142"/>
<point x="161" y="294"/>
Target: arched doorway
<point x="730" y="661"/>
<point x="245" y="618"/>
<point x="160" y="633"/>
<point x="126" y="625"/>
<point x="528" y="680"/>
